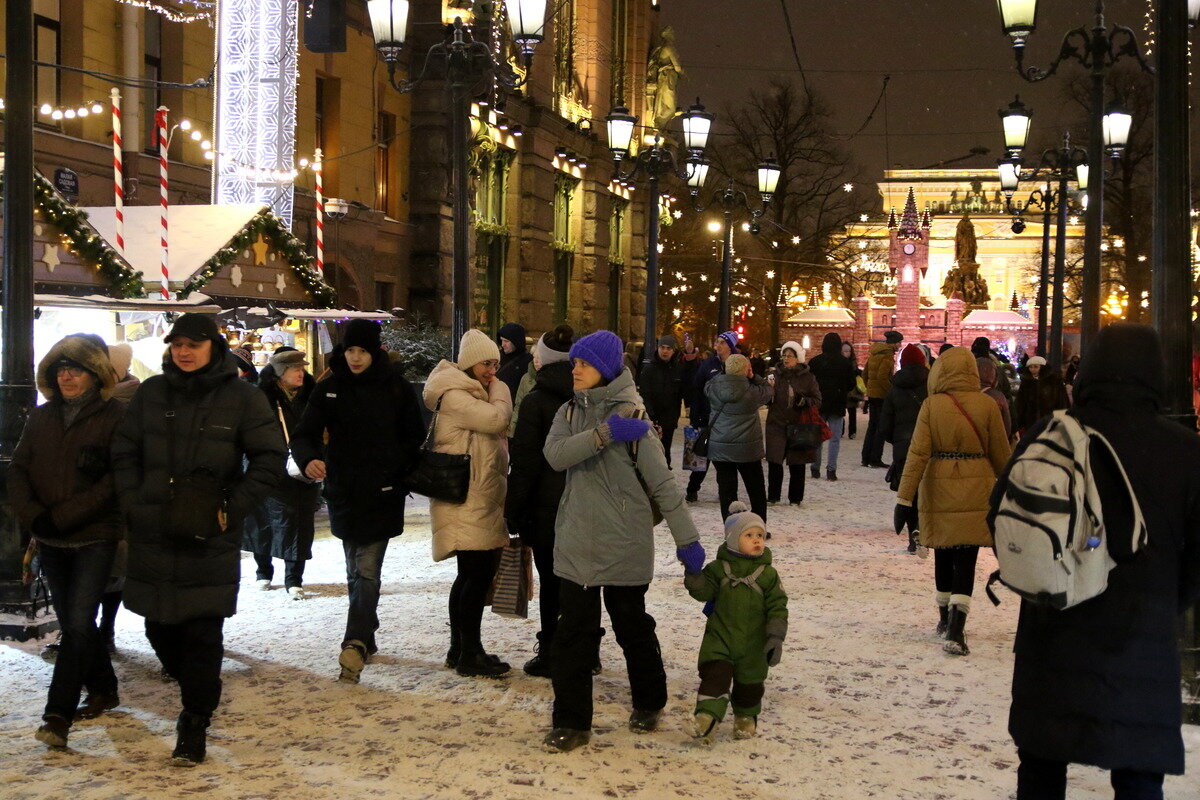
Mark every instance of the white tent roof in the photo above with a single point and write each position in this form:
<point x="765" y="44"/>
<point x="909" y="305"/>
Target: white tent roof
<point x="823" y="316"/>
<point x="196" y="233"/>
<point x="1000" y="318"/>
<point x="196" y="302"/>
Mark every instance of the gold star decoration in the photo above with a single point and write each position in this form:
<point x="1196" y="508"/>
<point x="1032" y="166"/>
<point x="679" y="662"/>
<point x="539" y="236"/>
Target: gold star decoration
<point x="260" y="249"/>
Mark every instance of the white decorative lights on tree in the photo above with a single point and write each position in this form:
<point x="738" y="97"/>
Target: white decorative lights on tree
<point x="256" y="102"/>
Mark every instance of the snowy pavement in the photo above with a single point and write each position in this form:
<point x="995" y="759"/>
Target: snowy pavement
<point x="865" y="703"/>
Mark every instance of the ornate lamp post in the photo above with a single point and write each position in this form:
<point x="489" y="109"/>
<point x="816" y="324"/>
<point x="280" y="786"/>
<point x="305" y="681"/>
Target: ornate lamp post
<point x="1096" y="49"/>
<point x="465" y="64"/>
<point x="657" y="161"/>
<point x="731" y="200"/>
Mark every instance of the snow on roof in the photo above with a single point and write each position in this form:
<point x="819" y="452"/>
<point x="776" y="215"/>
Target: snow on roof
<point x="196" y="302"/>
<point x="1005" y="318"/>
<point x="335" y="314"/>
<point x="822" y="316"/>
<point x="196" y="233"/>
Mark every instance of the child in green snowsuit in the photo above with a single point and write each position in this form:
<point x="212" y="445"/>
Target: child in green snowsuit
<point x="745" y="631"/>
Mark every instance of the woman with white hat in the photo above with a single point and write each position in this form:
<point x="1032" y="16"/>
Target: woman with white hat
<point x="473" y="411"/>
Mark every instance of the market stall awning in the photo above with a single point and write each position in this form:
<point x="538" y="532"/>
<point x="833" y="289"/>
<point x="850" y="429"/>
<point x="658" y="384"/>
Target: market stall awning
<point x="197" y="303"/>
<point x="252" y="318"/>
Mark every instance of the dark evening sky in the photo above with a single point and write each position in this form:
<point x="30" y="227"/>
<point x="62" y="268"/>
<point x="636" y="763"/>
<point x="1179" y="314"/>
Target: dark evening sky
<point x="951" y="66"/>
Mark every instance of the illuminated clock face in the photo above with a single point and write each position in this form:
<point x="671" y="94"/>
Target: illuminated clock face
<point x="909" y="249"/>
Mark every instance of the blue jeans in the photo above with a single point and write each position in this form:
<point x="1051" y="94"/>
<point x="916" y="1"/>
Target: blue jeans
<point x="77" y="577"/>
<point x="364" y="565"/>
<point x="836" y="426"/>
<point x="1042" y="779"/>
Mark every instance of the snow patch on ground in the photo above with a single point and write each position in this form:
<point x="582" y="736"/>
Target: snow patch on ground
<point x="864" y="705"/>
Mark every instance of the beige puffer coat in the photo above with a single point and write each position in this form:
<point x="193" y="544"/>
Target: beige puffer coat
<point x="954" y="490"/>
<point x="475" y="418"/>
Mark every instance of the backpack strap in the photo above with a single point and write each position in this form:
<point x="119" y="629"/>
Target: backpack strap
<point x="750" y="580"/>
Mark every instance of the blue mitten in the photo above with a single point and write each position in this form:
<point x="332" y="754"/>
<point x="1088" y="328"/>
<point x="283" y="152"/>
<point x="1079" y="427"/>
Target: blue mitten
<point x="708" y="607"/>
<point x="692" y="557"/>
<point x="627" y="429"/>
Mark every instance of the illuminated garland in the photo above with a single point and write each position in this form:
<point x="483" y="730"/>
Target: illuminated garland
<point x="83" y="241"/>
<point x="172" y="14"/>
<point x="277" y="235"/>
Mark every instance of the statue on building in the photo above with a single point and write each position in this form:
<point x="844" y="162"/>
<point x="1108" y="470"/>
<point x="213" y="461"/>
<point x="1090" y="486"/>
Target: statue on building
<point x="964" y="277"/>
<point x="663" y="70"/>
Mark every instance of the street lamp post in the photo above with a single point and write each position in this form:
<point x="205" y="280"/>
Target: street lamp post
<point x="466" y="65"/>
<point x="1044" y="200"/>
<point x="1097" y="49"/>
<point x="731" y="200"/>
<point x="1061" y="164"/>
<point x="657" y="161"/>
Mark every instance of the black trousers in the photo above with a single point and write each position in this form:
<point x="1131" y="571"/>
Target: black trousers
<point x="954" y="569"/>
<point x="694" y="481"/>
<point x="852" y="420"/>
<point x="577" y="647"/>
<point x="752" y="477"/>
<point x="293" y="571"/>
<point x="1041" y="779"/>
<point x="775" y="482"/>
<point x="668" y="435"/>
<point x="549" y="587"/>
<point x="191" y="653"/>
<point x="476" y="568"/>
<point x="872" y="450"/>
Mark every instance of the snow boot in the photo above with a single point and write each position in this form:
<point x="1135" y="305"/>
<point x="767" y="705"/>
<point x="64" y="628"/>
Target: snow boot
<point x="956" y="641"/>
<point x="564" y="740"/>
<point x="478" y="664"/>
<point x="831" y="474"/>
<point x="96" y="704"/>
<point x="745" y="727"/>
<point x="644" y="721"/>
<point x="539" y="665"/>
<point x="190" y="742"/>
<point x="912" y="542"/>
<point x="704" y="727"/>
<point x="455" y="650"/>
<point x="815" y="471"/>
<point x="922" y="550"/>
<point x="352" y="660"/>
<point x="53" y="731"/>
<point x="943" y="604"/>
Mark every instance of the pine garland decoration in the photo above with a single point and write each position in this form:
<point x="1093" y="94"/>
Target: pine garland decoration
<point x="123" y="281"/>
<point x="276" y="234"/>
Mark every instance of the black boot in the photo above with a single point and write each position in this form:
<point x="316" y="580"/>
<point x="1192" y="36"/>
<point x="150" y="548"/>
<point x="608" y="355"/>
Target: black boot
<point x="943" y="621"/>
<point x="189" y="746"/>
<point x="455" y="648"/>
<point x="474" y="663"/>
<point x="539" y="665"/>
<point x="815" y="471"/>
<point x="912" y="541"/>
<point x="956" y="642"/>
<point x="831" y="475"/>
<point x="564" y="740"/>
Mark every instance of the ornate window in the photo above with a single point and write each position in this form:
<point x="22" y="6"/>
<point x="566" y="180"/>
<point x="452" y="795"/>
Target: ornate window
<point x="491" y="233"/>
<point x="563" y="244"/>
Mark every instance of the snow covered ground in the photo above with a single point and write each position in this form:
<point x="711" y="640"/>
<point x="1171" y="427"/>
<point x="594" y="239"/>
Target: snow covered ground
<point x="865" y="703"/>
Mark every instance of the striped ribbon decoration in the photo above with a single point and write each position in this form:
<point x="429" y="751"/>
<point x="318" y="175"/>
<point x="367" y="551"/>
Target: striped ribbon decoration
<point x="160" y="124"/>
<point x="319" y="187"/>
<point x="118" y="171"/>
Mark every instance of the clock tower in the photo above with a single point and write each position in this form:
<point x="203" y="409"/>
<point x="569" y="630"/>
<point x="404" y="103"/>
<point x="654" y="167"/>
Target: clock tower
<point x="909" y="261"/>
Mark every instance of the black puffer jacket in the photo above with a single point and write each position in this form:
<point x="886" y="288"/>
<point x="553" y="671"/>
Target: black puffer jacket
<point x="534" y="489"/>
<point x="282" y="524"/>
<point x="218" y="421"/>
<point x="898" y="419"/>
<point x="514" y="365"/>
<point x="375" y="430"/>
<point x="835" y="375"/>
<point x="661" y="384"/>
<point x="1099" y="683"/>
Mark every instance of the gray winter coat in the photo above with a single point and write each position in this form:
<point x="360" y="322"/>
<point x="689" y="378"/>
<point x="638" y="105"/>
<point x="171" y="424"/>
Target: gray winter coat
<point x="736" y="432"/>
<point x="604" y="534"/>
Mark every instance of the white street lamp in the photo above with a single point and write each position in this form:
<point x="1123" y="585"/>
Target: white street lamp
<point x="1117" y="124"/>
<point x="1018" y="18"/>
<point x="768" y="178"/>
<point x="1017" y="119"/>
<point x="620" y="131"/>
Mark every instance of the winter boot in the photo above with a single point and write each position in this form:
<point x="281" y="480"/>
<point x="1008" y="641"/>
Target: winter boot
<point x="912" y="541"/>
<point x="564" y="740"/>
<point x="644" y="721"/>
<point x="815" y="471"/>
<point x="352" y="660"/>
<point x="943" y="604"/>
<point x="455" y="648"/>
<point x="189" y="744"/>
<point x="53" y="731"/>
<point x="745" y="727"/>
<point x="704" y="727"/>
<point x="831" y="474"/>
<point x="539" y="665"/>
<point x="475" y="663"/>
<point x="96" y="704"/>
<point x="956" y="642"/>
<point x="922" y="550"/>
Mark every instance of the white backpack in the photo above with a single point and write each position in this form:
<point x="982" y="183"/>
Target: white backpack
<point x="1049" y="529"/>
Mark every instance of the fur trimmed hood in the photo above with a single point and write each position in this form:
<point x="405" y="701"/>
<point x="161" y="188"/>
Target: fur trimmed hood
<point x="84" y="351"/>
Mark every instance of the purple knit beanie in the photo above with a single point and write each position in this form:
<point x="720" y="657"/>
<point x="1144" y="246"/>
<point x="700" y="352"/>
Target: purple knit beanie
<point x="603" y="350"/>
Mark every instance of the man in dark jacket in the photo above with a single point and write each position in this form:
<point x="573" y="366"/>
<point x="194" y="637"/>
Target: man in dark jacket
<point x="835" y="375"/>
<point x="1099" y="683"/>
<point x="660" y="384"/>
<point x="725" y="345"/>
<point x="514" y="358"/>
<point x="534" y="489"/>
<point x="878" y="376"/>
<point x="186" y="433"/>
<point x="375" y="430"/>
<point x="898" y="420"/>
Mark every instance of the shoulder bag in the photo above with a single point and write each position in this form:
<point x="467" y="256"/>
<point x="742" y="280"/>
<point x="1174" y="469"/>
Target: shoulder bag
<point x="700" y="446"/>
<point x="293" y="469"/>
<point x="441" y="476"/>
<point x="971" y="422"/>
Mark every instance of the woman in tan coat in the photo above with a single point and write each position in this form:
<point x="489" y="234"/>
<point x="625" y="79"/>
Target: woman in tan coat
<point x="474" y="409"/>
<point x="957" y="450"/>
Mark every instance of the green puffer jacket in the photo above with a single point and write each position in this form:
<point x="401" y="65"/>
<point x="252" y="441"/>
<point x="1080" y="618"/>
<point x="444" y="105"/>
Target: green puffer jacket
<point x="604" y="533"/>
<point x="737" y="629"/>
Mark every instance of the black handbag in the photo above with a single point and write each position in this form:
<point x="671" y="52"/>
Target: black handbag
<point x="700" y="448"/>
<point x="440" y="476"/>
<point x="196" y="498"/>
<point x="803" y="436"/>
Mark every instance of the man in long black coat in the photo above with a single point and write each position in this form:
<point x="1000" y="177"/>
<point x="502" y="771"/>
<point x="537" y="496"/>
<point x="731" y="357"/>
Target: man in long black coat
<point x="1099" y="683"/>
<point x="661" y="384"/>
<point x="197" y="418"/>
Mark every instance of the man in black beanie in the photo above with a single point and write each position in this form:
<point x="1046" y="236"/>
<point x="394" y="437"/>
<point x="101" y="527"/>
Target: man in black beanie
<point x="515" y="359"/>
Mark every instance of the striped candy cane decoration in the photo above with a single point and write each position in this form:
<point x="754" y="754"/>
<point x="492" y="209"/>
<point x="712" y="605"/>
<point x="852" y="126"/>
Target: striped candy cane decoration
<point x="318" y="185"/>
<point x="118" y="172"/>
<point x="160" y="125"/>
